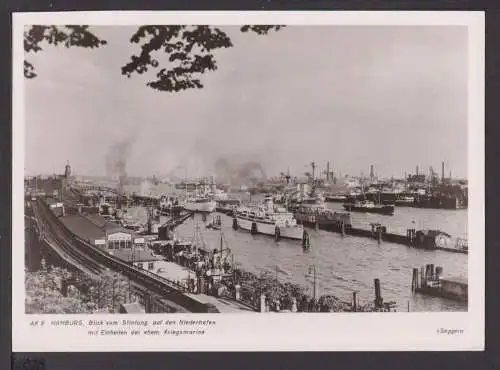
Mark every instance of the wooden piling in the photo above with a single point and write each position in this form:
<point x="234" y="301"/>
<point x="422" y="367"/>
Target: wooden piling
<point x="414" y="280"/>
<point x="342" y="227"/>
<point x="410" y="237"/>
<point x="428" y="274"/>
<point x="277" y="234"/>
<point x="354" y="308"/>
<point x="378" y="296"/>
<point x="305" y="240"/>
<point x="439" y="272"/>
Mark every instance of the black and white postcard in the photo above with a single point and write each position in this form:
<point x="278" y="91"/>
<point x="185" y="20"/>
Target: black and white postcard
<point x="248" y="181"/>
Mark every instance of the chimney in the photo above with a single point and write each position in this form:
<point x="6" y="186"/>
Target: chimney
<point x="442" y="171"/>
<point x="372" y="174"/>
<point x="328" y="171"/>
<point x="416" y="172"/>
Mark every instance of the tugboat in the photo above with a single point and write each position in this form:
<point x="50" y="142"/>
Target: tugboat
<point x="215" y="224"/>
<point x="369" y="207"/>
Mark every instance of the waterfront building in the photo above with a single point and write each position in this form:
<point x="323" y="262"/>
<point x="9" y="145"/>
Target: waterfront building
<point x="140" y="258"/>
<point x="98" y="231"/>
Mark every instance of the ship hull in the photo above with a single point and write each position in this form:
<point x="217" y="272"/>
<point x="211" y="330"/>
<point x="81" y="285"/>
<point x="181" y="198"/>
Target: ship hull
<point x="207" y="207"/>
<point x="404" y="203"/>
<point x="288" y="232"/>
<point x="335" y="199"/>
<point x="383" y="210"/>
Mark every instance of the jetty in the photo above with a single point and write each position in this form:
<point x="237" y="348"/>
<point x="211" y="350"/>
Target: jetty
<point x="341" y="222"/>
<point x="429" y="281"/>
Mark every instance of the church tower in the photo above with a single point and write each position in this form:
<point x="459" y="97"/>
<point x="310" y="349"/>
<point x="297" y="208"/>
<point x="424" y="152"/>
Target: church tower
<point x="67" y="170"/>
<point x="66" y="180"/>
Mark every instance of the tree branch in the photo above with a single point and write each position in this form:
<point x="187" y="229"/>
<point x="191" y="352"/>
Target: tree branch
<point x="69" y="36"/>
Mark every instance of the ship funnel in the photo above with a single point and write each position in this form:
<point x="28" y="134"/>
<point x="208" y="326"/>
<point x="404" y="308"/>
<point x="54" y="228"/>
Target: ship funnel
<point x="269" y="204"/>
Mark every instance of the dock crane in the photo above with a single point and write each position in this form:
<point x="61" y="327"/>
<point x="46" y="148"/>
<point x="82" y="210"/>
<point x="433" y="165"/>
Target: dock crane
<point x="433" y="176"/>
<point x="313" y="166"/>
<point x="286" y="176"/>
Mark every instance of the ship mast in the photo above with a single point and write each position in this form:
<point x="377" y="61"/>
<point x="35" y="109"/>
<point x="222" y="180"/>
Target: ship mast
<point x="313" y="166"/>
<point x="220" y="251"/>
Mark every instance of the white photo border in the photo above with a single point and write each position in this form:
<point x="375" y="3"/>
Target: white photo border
<point x="271" y="332"/>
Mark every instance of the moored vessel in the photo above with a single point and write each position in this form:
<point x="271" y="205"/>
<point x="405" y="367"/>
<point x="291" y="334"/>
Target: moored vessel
<point x="312" y="212"/>
<point x="268" y="220"/>
<point x="369" y="207"/>
<point x="200" y="204"/>
<point x="335" y="198"/>
<point x="405" y="201"/>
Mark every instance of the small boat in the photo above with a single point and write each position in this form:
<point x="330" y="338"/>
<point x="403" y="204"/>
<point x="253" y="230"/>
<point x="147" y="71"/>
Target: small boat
<point x="369" y="207"/>
<point x="215" y="224"/>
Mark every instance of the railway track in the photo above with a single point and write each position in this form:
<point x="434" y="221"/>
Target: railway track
<point x="53" y="236"/>
<point x="86" y="254"/>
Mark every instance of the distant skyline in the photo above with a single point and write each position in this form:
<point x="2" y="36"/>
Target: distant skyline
<point x="389" y="96"/>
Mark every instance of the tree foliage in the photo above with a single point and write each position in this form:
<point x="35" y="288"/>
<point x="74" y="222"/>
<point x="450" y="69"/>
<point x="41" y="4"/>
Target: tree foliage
<point x="43" y="294"/>
<point x="109" y="292"/>
<point x="58" y="291"/>
<point x="69" y="36"/>
<point x="186" y="50"/>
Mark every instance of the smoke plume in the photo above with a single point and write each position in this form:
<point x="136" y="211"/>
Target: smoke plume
<point x="116" y="161"/>
<point x="238" y="171"/>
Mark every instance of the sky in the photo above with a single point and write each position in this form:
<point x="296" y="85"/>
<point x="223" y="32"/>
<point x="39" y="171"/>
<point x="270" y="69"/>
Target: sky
<point x="389" y="96"/>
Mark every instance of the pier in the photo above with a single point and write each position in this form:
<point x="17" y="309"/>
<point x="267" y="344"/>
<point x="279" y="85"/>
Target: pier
<point x="429" y="280"/>
<point x="423" y="239"/>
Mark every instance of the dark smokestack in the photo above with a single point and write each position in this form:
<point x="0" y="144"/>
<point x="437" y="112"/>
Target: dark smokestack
<point x="442" y="171"/>
<point x="416" y="171"/>
<point x="372" y="174"/>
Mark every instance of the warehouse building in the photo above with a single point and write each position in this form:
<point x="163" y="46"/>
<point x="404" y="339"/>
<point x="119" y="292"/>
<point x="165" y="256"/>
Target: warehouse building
<point x="96" y="230"/>
<point x="140" y="258"/>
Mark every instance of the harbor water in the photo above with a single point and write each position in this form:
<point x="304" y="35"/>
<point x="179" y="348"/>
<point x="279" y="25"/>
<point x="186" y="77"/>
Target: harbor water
<point x="348" y="264"/>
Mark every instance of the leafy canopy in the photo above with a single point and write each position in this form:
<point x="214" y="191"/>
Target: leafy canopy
<point x="44" y="292"/>
<point x="188" y="50"/>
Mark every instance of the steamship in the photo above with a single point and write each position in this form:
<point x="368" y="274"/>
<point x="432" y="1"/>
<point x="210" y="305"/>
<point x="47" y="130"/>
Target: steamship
<point x="268" y="220"/>
<point x="200" y="204"/>
<point x="369" y="207"/>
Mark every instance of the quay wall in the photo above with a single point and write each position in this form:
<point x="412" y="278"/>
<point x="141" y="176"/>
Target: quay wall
<point x="454" y="288"/>
<point x="341" y="223"/>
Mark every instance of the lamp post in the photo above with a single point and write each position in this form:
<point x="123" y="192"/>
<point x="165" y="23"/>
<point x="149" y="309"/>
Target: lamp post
<point x="313" y="270"/>
<point x="113" y="296"/>
<point x="114" y="278"/>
